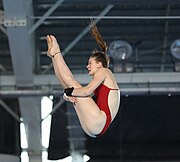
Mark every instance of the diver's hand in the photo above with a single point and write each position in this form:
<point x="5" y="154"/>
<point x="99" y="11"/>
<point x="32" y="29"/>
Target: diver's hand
<point x="70" y="98"/>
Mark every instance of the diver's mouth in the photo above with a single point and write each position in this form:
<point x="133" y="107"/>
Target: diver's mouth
<point x="89" y="72"/>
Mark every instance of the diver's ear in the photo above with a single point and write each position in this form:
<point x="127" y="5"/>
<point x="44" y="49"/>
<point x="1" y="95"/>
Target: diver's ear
<point x="99" y="64"/>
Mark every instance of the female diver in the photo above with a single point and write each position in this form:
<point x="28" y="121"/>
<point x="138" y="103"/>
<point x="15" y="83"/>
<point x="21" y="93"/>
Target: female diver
<point x="94" y="116"/>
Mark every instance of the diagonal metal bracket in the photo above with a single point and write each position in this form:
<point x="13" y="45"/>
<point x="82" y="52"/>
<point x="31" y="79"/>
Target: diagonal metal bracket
<point x="78" y="38"/>
<point x="165" y="41"/>
<point x="41" y="20"/>
<point x="8" y="109"/>
<point x="3" y="29"/>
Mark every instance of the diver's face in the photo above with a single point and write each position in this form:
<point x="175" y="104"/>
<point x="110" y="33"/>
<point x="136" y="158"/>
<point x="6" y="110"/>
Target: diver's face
<point x="92" y="66"/>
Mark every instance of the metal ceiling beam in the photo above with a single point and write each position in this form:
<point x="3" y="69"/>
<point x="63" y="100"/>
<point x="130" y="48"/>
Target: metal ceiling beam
<point x="22" y="50"/>
<point x="21" y="45"/>
<point x="78" y="38"/>
<point x="137" y="90"/>
<point x="122" y="78"/>
<point x="129" y="83"/>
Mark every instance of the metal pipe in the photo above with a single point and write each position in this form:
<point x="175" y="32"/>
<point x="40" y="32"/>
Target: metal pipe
<point x="29" y="93"/>
<point x="150" y="91"/>
<point x="124" y="91"/>
<point x="112" y="17"/>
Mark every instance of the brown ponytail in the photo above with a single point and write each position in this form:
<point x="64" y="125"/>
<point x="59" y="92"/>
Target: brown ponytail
<point x="100" y="56"/>
<point x="96" y="35"/>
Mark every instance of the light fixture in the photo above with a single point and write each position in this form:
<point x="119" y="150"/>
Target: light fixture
<point x="120" y="50"/>
<point x="175" y="49"/>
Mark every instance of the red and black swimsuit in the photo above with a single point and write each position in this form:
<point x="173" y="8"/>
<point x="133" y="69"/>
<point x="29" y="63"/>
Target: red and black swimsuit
<point x="101" y="94"/>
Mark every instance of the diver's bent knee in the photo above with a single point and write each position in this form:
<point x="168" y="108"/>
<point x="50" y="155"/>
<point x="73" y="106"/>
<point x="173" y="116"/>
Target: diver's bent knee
<point x="93" y="130"/>
<point x="91" y="134"/>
